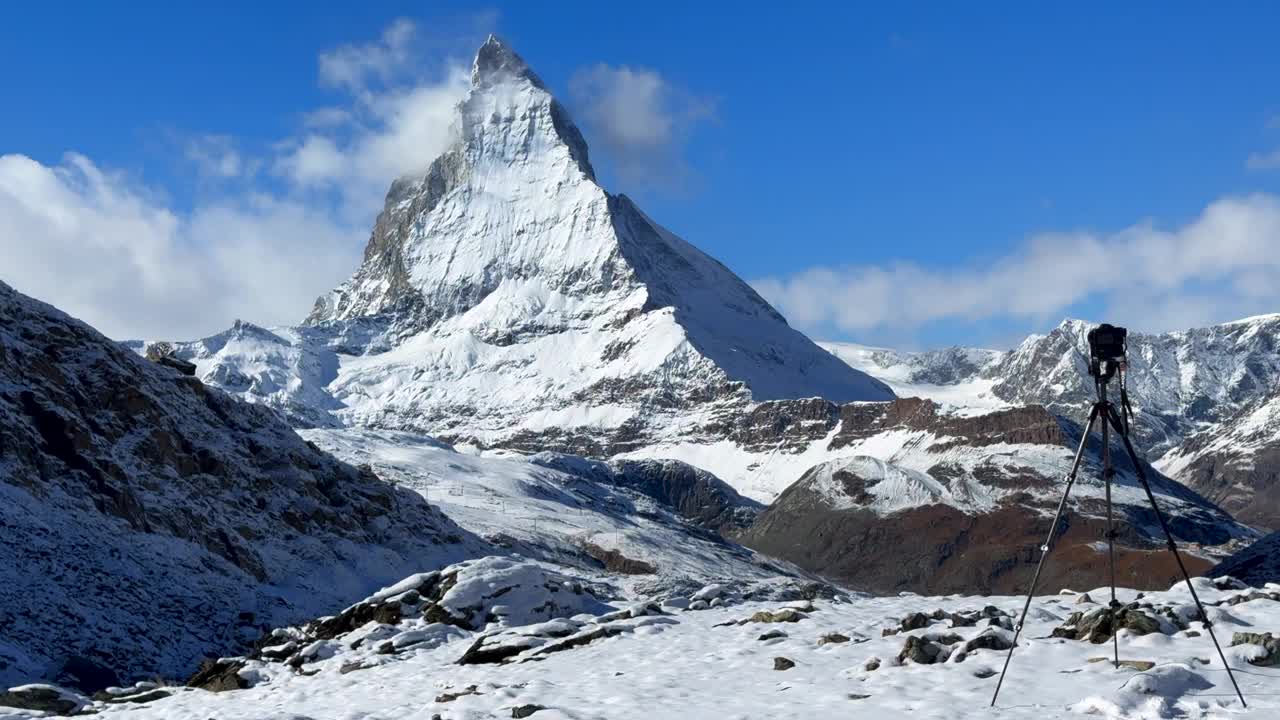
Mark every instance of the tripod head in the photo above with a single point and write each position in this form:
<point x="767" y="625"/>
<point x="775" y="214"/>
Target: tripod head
<point x="1107" y="351"/>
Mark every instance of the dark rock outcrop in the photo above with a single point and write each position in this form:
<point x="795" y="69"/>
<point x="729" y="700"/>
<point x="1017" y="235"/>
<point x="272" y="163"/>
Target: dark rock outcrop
<point x="1257" y="564"/>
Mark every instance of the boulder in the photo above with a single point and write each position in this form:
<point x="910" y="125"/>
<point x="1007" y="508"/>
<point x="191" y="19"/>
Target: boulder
<point x="219" y="676"/>
<point x="1100" y="625"/>
<point x="991" y="639"/>
<point x="789" y="615"/>
<point x="43" y="698"/>
<point x="927" y="650"/>
<point x="781" y="663"/>
<point x="1270" y="655"/>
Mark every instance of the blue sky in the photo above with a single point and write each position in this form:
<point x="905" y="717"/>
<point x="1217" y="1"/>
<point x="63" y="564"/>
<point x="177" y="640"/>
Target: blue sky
<point x="863" y="165"/>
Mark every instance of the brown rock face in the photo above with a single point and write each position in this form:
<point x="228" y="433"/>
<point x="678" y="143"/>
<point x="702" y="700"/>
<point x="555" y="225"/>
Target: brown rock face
<point x="979" y="512"/>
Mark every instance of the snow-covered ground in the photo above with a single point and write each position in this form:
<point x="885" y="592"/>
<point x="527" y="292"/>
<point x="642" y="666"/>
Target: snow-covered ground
<point x="965" y="392"/>
<point x="518" y="500"/>
<point x="670" y="663"/>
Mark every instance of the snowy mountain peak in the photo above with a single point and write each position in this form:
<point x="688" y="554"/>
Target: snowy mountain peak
<point x="496" y="61"/>
<point x="505" y="297"/>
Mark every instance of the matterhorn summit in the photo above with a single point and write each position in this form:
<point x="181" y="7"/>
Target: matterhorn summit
<point x="507" y="299"/>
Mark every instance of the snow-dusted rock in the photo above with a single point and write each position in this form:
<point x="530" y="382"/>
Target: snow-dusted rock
<point x="150" y="520"/>
<point x="43" y="698"/>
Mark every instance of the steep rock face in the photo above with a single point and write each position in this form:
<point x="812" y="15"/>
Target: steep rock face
<point x="506" y="299"/>
<point x="932" y="502"/>
<point x="150" y="520"/>
<point x="1236" y="463"/>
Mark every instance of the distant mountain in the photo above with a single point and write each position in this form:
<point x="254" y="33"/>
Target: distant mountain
<point x="917" y="498"/>
<point x="1206" y="402"/>
<point x="150" y="521"/>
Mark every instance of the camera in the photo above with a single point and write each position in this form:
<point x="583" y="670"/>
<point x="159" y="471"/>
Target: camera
<point x="1107" y="345"/>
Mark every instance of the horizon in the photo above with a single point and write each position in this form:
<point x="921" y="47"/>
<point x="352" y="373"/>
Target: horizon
<point x="184" y="206"/>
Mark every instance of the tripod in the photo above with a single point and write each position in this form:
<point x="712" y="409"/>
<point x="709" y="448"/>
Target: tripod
<point x="1104" y="412"/>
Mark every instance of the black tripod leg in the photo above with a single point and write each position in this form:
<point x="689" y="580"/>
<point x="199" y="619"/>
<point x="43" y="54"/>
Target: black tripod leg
<point x="1044" y="549"/>
<point x="1109" y="472"/>
<point x="1173" y="547"/>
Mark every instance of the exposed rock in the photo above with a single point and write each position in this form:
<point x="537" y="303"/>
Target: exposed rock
<point x="524" y="711"/>
<point x="138" y="698"/>
<point x="450" y="697"/>
<point x="988" y="640"/>
<point x="781" y="663"/>
<point x="219" y="676"/>
<point x="43" y="698"/>
<point x="615" y="562"/>
<point x="1099" y="625"/>
<point x="1270" y="645"/>
<point x="872" y="664"/>
<point x="927" y="649"/>
<point x="788" y="615"/>
<point x="831" y="638"/>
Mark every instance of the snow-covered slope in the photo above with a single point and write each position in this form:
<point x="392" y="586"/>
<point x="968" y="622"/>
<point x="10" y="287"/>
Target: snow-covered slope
<point x="850" y="657"/>
<point x="572" y="511"/>
<point x="148" y="521"/>
<point x="507" y="299"/>
<point x="954" y="376"/>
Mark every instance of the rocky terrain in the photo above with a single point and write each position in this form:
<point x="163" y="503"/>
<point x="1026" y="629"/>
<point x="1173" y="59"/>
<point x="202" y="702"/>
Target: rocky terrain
<point x="149" y="520"/>
<point x="922" y="500"/>
<point x="499" y="637"/>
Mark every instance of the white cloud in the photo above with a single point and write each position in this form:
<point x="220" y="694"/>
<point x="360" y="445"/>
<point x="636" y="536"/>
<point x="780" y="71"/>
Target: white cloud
<point x="1263" y="161"/>
<point x="1217" y="267"/>
<point x="397" y="122"/>
<point x="354" y="67"/>
<point x="641" y="120"/>
<point x="99" y="247"/>
<point x="214" y="155"/>
<point x="116" y="253"/>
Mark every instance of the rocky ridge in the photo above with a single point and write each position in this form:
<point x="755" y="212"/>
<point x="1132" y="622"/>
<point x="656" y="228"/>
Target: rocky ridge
<point x="150" y="520"/>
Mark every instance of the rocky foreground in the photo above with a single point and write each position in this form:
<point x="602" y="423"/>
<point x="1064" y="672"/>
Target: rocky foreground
<point x="498" y="637"/>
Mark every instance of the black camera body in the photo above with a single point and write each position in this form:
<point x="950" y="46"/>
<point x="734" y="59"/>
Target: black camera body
<point x="1108" y="346"/>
